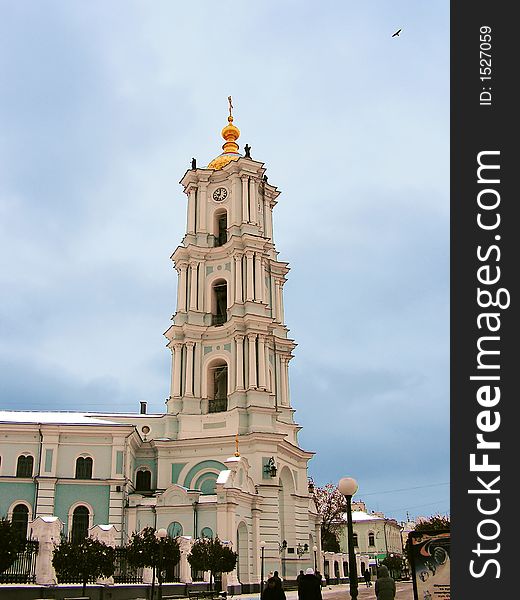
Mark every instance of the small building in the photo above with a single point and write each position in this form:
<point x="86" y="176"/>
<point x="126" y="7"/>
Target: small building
<point x="375" y="537"/>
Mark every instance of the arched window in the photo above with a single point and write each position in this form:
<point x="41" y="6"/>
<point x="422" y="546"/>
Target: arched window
<point x="143" y="480"/>
<point x="219" y="302"/>
<point x="206" y="532"/>
<point x="84" y="467"/>
<point x="80" y="523"/>
<point x="20" y="520"/>
<point x="371" y="539"/>
<point x="218" y="387"/>
<point x="24" y="466"/>
<point x="174" y="529"/>
<point x="220" y="228"/>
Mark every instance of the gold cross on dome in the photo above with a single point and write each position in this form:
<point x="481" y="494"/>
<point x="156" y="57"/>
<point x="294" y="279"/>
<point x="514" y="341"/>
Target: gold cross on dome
<point x="237" y="453"/>
<point x="230" y="105"/>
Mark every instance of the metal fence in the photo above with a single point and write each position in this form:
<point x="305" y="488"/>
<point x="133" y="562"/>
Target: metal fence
<point x="124" y="571"/>
<point x="24" y="567"/>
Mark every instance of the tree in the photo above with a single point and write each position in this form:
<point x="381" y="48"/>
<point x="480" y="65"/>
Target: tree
<point x="10" y="544"/>
<point x="395" y="565"/>
<point x="147" y="550"/>
<point x="85" y="561"/>
<point x="434" y="523"/>
<point x="331" y="505"/>
<point x="211" y="555"/>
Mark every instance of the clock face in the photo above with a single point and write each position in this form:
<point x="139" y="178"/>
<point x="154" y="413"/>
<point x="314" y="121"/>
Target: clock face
<point x="220" y="194"/>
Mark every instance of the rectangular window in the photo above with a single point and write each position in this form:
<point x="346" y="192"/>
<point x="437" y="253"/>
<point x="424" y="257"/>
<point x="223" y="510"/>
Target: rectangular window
<point x="119" y="462"/>
<point x="48" y="460"/>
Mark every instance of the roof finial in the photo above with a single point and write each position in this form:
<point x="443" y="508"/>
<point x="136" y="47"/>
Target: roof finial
<point x="230" y="107"/>
<point x="237" y="453"/>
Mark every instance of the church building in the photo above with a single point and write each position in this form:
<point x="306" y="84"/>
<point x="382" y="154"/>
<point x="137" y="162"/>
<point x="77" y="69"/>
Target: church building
<point x="224" y="459"/>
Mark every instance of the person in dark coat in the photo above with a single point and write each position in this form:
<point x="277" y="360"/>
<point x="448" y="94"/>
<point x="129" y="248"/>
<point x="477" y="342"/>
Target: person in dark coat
<point x="309" y="587"/>
<point x="273" y="590"/>
<point x="367" y="577"/>
<point x="385" y="585"/>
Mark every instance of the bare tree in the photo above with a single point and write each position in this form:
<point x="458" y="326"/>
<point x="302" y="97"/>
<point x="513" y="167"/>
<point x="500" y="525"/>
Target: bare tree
<point x="331" y="505"/>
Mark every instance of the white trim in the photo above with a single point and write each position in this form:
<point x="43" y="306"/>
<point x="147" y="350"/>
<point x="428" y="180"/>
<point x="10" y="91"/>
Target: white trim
<point x="84" y="455"/>
<point x="72" y="508"/>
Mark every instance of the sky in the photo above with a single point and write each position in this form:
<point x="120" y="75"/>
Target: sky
<point x="102" y="107"/>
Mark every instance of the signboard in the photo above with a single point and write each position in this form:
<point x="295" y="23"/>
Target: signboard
<point x="430" y="562"/>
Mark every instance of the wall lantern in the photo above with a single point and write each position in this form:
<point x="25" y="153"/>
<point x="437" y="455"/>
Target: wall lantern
<point x="301" y="550"/>
<point x="270" y="467"/>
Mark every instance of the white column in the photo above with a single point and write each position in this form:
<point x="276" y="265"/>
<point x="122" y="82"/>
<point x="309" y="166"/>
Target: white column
<point x="252" y="359"/>
<point x="258" y="277"/>
<point x="254" y="202"/>
<point x="280" y="292"/>
<point x="283" y="382"/>
<point x="176" y="383"/>
<point x="193" y="288"/>
<point x="267" y="378"/>
<point x="200" y="295"/>
<point x="189" y="369"/>
<point x="197" y="370"/>
<point x="275" y="293"/>
<point x="238" y="278"/>
<point x="191" y="209"/>
<point x="203" y="189"/>
<point x="267" y="218"/>
<point x="184" y="567"/>
<point x="47" y="530"/>
<point x="181" y="290"/>
<point x="261" y="362"/>
<point x="245" y="200"/>
<point x="249" y="276"/>
<point x="240" y="362"/>
<point x="263" y="292"/>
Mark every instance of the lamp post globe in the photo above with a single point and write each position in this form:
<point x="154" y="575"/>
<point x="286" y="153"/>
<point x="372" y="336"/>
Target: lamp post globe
<point x="348" y="487"/>
<point x="315" y="550"/>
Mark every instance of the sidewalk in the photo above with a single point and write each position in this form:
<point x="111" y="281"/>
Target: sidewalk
<point x="404" y="591"/>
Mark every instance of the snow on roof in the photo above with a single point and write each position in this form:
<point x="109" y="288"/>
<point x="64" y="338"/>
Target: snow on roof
<point x="59" y="418"/>
<point x="360" y="515"/>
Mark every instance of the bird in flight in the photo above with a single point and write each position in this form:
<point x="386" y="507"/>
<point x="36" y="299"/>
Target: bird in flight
<point x="396" y="34"/>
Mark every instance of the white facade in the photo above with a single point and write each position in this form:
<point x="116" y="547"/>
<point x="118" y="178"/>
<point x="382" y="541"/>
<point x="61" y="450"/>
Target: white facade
<point x="375" y="537"/>
<point x="202" y="468"/>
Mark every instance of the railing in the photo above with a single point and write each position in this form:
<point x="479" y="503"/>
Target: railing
<point x="124" y="572"/>
<point x="172" y="573"/>
<point x="23" y="568"/>
<point x="216" y="405"/>
<point x="218" y="319"/>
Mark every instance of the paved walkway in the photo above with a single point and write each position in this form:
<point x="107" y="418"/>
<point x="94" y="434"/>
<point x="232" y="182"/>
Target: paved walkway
<point x="404" y="591"/>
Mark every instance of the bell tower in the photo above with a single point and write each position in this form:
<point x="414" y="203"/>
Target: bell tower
<point x="229" y="343"/>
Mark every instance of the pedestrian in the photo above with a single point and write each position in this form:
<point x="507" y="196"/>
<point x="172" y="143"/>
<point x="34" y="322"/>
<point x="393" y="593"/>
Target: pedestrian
<point x="273" y="590"/>
<point x="310" y="586"/>
<point x="385" y="585"/>
<point x="367" y="577"/>
<point x="319" y="576"/>
<point x="277" y="578"/>
<point x="299" y="582"/>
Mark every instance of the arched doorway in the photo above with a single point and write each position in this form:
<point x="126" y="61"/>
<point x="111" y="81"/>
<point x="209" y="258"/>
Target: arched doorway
<point x="243" y="553"/>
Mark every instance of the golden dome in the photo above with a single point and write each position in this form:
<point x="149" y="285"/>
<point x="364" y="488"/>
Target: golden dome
<point x="230" y="133"/>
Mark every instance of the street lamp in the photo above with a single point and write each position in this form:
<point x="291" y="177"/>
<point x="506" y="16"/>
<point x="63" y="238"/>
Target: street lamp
<point x="161" y="534"/>
<point x="282" y="546"/>
<point x="348" y="487"/>
<point x="315" y="548"/>
<point x="262" y="546"/>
